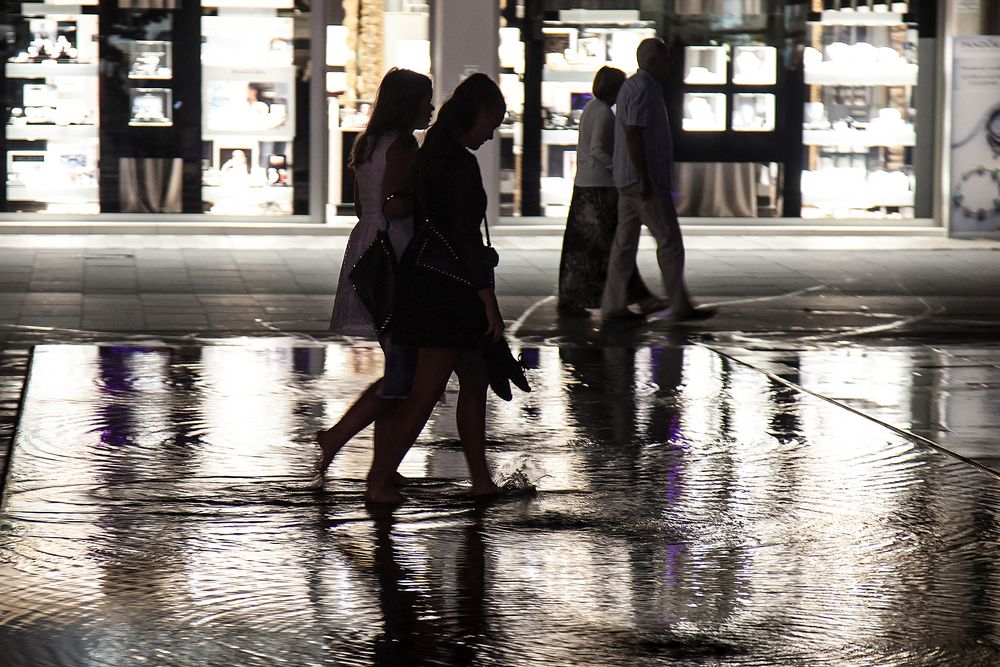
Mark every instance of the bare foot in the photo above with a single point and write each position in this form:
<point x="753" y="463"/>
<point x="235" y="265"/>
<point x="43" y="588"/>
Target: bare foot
<point x="383" y="495"/>
<point x="401" y="480"/>
<point x="328" y="449"/>
<point x="484" y="490"/>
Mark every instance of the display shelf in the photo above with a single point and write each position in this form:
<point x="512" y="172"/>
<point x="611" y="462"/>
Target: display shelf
<point x="52" y="194"/>
<point x="704" y="112"/>
<point x="860" y="19"/>
<point x="859" y="124"/>
<point x="583" y="75"/>
<point x="855" y="188"/>
<point x="753" y="112"/>
<point x="42" y="8"/>
<point x="254" y="194"/>
<point x="840" y="201"/>
<point x="560" y="137"/>
<point x="49" y="69"/>
<point x="755" y="65"/>
<point x="905" y="136"/>
<point x="836" y="74"/>
<point x="51" y="132"/>
<point x="151" y="59"/>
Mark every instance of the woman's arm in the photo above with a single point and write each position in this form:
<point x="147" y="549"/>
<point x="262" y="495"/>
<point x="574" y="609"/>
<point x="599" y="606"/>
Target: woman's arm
<point x="602" y="139"/>
<point x="466" y="205"/>
<point x="494" y="319"/>
<point x="400" y="161"/>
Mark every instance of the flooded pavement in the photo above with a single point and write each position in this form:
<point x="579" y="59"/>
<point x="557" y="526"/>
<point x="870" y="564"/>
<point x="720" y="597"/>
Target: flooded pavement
<point x="670" y="505"/>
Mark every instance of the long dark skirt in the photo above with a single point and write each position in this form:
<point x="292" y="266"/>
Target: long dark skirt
<point x="590" y="231"/>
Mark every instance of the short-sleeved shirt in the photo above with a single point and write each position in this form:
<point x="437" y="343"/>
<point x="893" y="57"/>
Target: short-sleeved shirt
<point x="640" y="104"/>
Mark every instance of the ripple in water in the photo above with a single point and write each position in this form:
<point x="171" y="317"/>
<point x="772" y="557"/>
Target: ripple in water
<point x="661" y="505"/>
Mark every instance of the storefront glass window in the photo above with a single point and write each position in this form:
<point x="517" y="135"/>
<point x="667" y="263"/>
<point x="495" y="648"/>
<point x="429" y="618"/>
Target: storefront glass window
<point x="248" y="109"/>
<point x="859" y="125"/>
<point x="51" y="93"/>
<point x="156" y="106"/>
<point x="365" y="39"/>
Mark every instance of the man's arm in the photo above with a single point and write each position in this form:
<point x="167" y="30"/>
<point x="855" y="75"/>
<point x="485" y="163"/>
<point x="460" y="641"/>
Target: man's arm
<point x="637" y="153"/>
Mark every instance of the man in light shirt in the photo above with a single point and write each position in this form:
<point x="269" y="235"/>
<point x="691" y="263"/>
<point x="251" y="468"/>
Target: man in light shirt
<point x="643" y="171"/>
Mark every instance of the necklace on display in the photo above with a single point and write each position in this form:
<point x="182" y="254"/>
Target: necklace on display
<point x="986" y="182"/>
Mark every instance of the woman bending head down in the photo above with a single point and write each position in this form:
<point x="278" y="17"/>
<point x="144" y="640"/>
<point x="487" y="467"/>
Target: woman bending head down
<point x="447" y="312"/>
<point x="469" y="117"/>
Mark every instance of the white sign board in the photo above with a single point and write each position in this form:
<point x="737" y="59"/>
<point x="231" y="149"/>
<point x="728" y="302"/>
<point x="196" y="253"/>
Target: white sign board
<point x="975" y="148"/>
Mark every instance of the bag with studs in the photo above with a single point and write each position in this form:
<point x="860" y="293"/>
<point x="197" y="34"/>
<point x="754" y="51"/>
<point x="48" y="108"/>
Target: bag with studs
<point x="434" y="252"/>
<point x="374" y="279"/>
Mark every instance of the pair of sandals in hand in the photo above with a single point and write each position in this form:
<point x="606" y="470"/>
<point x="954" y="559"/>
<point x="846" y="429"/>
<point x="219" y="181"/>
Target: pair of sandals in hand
<point x="502" y="368"/>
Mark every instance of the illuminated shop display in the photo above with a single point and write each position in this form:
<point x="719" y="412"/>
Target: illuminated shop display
<point x="357" y="53"/>
<point x="150" y="107"/>
<point x="121" y="109"/>
<point x="248" y="113"/>
<point x="150" y="60"/>
<point x="859" y="124"/>
<point x="52" y="101"/>
<point x="727" y="85"/>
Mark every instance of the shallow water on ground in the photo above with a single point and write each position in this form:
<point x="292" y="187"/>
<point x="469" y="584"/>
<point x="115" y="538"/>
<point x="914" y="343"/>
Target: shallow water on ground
<point x="672" y="506"/>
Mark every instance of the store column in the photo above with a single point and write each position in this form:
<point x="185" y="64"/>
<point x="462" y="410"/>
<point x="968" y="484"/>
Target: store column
<point x="465" y="39"/>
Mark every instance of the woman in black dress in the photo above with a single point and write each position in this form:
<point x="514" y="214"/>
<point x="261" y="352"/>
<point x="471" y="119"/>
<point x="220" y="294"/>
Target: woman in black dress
<point x="446" y="304"/>
<point x="593" y="211"/>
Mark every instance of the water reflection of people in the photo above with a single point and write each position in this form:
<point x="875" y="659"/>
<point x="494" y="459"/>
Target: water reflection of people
<point x="412" y="632"/>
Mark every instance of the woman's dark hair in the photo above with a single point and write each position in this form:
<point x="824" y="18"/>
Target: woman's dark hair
<point x="396" y="105"/>
<point x="607" y="82"/>
<point x="460" y="112"/>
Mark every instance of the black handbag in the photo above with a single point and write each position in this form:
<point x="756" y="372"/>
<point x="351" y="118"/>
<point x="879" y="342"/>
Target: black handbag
<point x="502" y="368"/>
<point x="374" y="279"/>
<point x="434" y="252"/>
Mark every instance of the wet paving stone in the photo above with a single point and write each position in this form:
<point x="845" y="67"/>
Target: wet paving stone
<point x="667" y="504"/>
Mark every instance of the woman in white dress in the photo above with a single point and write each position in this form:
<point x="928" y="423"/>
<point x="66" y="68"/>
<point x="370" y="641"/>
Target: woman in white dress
<point x="383" y="159"/>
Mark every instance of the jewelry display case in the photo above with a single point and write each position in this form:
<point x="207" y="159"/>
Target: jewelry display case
<point x="727" y="96"/>
<point x="52" y="110"/>
<point x="859" y="122"/>
<point x="248" y="113"/>
<point x="704" y="112"/>
<point x="150" y="107"/>
<point x="151" y="59"/>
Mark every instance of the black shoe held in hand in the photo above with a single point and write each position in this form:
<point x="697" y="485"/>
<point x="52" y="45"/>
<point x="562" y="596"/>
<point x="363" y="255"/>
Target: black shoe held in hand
<point x="502" y="368"/>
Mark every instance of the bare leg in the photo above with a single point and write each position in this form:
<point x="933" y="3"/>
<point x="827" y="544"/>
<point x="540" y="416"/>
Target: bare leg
<point x="434" y="367"/>
<point x="471" y="417"/>
<point x="368" y="408"/>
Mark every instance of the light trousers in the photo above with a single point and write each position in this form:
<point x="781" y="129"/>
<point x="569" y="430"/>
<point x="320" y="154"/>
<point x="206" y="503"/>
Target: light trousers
<point x="659" y="215"/>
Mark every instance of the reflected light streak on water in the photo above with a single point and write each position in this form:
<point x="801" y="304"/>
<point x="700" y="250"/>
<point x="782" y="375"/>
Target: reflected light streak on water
<point x="689" y="509"/>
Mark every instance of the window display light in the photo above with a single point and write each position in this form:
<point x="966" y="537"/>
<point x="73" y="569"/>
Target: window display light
<point x="52" y="100"/>
<point x="859" y="119"/>
<point x="248" y="114"/>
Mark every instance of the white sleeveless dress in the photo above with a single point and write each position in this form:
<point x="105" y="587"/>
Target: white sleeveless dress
<point x="350" y="317"/>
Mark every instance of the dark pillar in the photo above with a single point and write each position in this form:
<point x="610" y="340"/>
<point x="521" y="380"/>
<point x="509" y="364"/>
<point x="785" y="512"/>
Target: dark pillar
<point x="531" y="148"/>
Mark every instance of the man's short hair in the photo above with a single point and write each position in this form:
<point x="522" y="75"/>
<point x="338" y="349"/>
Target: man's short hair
<point x="607" y="82"/>
<point x="648" y="49"/>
